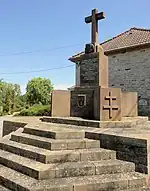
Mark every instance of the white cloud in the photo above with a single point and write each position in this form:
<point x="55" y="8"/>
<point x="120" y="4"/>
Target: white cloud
<point x="62" y="86"/>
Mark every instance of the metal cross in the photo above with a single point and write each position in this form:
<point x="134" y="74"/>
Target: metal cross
<point x="94" y="18"/>
<point x="110" y="107"/>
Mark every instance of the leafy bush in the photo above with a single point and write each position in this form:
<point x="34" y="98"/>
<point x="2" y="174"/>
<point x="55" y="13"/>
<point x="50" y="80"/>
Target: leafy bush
<point x="36" y="110"/>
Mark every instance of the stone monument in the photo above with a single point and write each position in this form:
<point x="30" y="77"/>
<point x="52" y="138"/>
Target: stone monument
<point x="92" y="98"/>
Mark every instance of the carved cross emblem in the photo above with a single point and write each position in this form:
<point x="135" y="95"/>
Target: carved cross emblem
<point x="110" y="106"/>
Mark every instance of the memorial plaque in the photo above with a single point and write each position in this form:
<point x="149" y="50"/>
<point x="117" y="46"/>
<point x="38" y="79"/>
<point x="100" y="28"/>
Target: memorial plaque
<point x="89" y="74"/>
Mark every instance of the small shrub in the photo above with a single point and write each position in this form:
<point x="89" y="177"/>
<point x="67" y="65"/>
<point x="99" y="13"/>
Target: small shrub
<point x="36" y="110"/>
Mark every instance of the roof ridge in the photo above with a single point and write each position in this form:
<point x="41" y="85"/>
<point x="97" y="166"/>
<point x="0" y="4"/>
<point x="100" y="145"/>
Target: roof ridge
<point x="142" y="29"/>
<point x="133" y="28"/>
<point x="116" y="36"/>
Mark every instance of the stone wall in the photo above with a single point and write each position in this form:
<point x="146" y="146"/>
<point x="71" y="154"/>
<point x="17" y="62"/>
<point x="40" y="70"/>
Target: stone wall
<point x="10" y="126"/>
<point x="130" y="71"/>
<point x="130" y="149"/>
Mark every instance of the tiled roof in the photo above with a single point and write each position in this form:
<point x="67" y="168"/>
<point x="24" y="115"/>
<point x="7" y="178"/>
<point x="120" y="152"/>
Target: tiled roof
<point x="130" y="38"/>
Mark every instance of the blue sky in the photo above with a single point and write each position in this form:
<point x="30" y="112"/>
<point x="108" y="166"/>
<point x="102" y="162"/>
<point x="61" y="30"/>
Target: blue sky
<point x="31" y="25"/>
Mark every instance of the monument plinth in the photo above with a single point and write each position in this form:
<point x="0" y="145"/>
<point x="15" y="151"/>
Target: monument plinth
<point x="92" y="98"/>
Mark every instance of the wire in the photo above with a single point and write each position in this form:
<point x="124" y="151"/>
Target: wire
<point x="38" y="51"/>
<point x="34" y="71"/>
<point x="42" y="70"/>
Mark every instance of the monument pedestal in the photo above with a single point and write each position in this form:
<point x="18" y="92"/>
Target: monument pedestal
<point x="92" y="98"/>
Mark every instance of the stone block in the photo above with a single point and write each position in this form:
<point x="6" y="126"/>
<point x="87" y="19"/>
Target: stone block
<point x="92" y="144"/>
<point x="60" y="103"/>
<point x="129" y="104"/>
<point x="86" y="110"/>
<point x="107" y="104"/>
<point x="110" y="104"/>
<point x="113" y="166"/>
<point x="63" y="156"/>
<point x="76" y="145"/>
<point x="55" y="134"/>
<point x="97" y="154"/>
<point x="75" y="169"/>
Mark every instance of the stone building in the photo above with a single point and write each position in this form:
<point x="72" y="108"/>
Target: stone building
<point x="129" y="64"/>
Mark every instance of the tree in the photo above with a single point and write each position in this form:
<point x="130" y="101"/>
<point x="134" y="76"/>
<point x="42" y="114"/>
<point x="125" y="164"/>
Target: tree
<point x="9" y="97"/>
<point x="38" y="91"/>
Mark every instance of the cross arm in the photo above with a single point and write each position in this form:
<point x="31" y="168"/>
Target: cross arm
<point x="108" y="97"/>
<point x="99" y="16"/>
<point x="88" y="19"/>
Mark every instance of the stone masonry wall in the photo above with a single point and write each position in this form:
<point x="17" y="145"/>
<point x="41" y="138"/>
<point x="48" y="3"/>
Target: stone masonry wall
<point x="130" y="71"/>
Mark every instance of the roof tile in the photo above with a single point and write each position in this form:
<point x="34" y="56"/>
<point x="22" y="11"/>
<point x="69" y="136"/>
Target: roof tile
<point x="132" y="37"/>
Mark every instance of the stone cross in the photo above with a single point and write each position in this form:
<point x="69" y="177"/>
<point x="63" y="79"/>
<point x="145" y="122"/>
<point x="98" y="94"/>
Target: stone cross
<point x="94" y="20"/>
<point x="110" y="107"/>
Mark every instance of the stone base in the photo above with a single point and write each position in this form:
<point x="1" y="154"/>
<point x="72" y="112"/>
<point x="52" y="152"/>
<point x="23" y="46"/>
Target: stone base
<point x="94" y="103"/>
<point x="127" y="122"/>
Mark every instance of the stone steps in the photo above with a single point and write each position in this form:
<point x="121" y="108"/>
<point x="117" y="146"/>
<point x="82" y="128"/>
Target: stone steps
<point x="16" y="181"/>
<point x="24" y="165"/>
<point x="55" y="144"/>
<point x="74" y="169"/>
<point x="46" y="171"/>
<point x="47" y="156"/>
<point x="52" y="158"/>
<point x="51" y="132"/>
